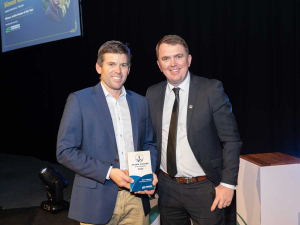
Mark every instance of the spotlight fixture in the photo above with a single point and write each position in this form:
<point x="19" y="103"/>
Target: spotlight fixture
<point x="55" y="185"/>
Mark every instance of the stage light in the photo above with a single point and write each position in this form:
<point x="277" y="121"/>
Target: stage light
<point x="55" y="185"/>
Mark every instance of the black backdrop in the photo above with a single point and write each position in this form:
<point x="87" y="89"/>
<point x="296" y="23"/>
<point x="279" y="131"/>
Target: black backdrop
<point x="252" y="46"/>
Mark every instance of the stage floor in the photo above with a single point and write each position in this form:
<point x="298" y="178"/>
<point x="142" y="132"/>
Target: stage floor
<point x="20" y="185"/>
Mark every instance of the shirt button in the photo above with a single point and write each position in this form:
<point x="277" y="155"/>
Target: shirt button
<point x="121" y="135"/>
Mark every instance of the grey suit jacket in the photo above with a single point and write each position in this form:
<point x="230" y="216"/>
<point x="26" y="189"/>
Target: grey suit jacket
<point x="87" y="145"/>
<point x="212" y="131"/>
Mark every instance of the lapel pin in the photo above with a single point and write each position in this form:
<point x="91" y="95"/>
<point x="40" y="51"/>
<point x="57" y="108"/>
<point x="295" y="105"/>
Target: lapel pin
<point x="190" y="106"/>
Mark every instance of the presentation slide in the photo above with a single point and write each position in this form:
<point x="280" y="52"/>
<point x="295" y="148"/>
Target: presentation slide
<point x="31" y="22"/>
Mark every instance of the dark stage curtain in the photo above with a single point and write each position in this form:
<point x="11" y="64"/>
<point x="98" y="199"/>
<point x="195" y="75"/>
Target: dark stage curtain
<point x="251" y="46"/>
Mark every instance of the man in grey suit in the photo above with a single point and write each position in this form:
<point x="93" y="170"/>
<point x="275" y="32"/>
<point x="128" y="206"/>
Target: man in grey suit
<point x="197" y="140"/>
<point x="99" y="126"/>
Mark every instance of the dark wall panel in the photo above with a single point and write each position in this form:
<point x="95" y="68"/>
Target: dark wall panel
<point x="251" y="46"/>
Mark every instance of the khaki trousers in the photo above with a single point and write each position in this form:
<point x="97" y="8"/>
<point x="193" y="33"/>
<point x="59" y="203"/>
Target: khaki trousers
<point x="128" y="210"/>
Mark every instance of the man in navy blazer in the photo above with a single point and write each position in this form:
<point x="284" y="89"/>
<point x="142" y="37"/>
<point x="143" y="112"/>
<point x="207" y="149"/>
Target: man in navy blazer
<point x="197" y="177"/>
<point x="99" y="126"/>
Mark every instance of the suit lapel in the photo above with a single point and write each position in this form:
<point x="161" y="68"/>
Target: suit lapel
<point x="159" y="111"/>
<point x="101" y="104"/>
<point x="134" y="119"/>
<point x="193" y="91"/>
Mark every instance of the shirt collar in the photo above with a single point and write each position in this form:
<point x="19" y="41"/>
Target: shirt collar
<point x="184" y="86"/>
<point x="106" y="93"/>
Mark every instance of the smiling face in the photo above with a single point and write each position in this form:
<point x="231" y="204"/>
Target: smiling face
<point x="114" y="72"/>
<point x="174" y="62"/>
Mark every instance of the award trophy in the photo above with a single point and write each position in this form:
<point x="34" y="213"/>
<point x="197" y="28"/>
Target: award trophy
<point x="139" y="168"/>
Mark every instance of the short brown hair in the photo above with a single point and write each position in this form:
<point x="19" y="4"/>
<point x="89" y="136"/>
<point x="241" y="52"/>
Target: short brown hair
<point x="172" y="40"/>
<point x="113" y="47"/>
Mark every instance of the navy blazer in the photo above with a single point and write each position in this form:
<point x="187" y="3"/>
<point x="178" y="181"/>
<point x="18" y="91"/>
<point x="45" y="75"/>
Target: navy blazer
<point x="87" y="145"/>
<point x="212" y="131"/>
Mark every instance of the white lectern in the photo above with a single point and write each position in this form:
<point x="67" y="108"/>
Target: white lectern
<point x="268" y="190"/>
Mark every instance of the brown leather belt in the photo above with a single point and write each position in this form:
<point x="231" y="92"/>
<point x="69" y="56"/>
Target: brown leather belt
<point x="186" y="180"/>
<point x="122" y="189"/>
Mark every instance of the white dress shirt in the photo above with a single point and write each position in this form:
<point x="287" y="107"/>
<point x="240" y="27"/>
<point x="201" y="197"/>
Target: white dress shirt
<point x="121" y="119"/>
<point x="187" y="164"/>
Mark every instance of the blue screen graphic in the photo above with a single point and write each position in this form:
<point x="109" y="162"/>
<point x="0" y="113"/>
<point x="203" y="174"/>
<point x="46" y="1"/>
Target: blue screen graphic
<point x="31" y="22"/>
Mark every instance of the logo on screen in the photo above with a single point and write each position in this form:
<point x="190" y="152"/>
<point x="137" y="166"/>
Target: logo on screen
<point x="8" y="30"/>
<point x="139" y="158"/>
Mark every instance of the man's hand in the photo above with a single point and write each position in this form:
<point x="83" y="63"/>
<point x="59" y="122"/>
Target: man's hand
<point x="121" y="178"/>
<point x="223" y="197"/>
<point x="149" y="192"/>
<point x="126" y="172"/>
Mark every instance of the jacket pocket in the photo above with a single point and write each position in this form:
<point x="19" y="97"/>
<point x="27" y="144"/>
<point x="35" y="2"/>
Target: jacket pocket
<point x="81" y="181"/>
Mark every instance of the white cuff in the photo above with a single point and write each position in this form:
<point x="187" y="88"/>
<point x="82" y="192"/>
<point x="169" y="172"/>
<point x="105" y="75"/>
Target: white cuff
<point x="228" y="186"/>
<point x="108" y="173"/>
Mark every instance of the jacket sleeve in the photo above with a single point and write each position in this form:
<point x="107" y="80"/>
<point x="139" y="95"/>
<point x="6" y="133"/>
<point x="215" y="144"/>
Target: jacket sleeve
<point x="228" y="134"/>
<point x="149" y="139"/>
<point x="69" y="142"/>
